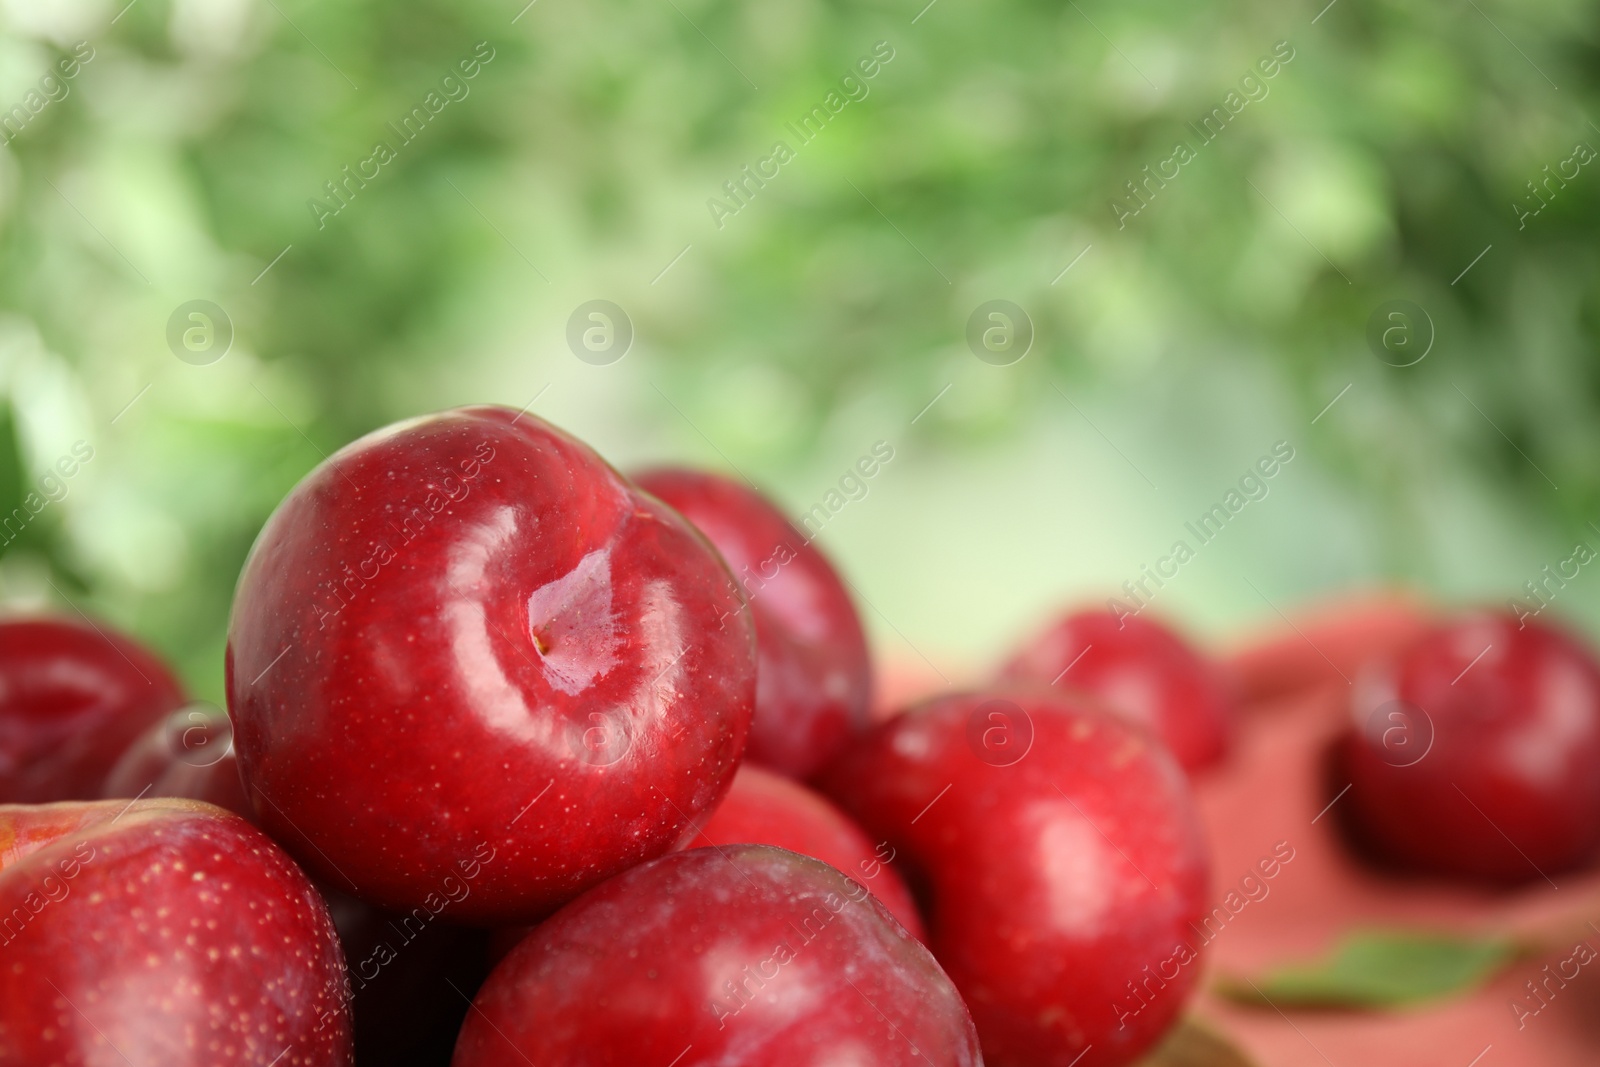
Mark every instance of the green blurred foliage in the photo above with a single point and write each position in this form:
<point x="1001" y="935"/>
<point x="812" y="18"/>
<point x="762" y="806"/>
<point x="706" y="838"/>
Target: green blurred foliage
<point x="985" y="156"/>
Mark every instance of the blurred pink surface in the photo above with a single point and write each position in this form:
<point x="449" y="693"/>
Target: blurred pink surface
<point x="1272" y="789"/>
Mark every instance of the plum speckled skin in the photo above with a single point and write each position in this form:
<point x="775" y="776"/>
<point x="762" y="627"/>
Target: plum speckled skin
<point x="768" y="809"/>
<point x="167" y="932"/>
<point x="398" y="964"/>
<point x="1510" y="748"/>
<point x="1142" y="669"/>
<point x="1056" y="870"/>
<point x="746" y="955"/>
<point x="72" y="697"/>
<point x="814" y="682"/>
<point x="492" y="646"/>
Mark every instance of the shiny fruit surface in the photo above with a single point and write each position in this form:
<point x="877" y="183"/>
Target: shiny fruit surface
<point x="743" y="955"/>
<point x="162" y="931"/>
<point x="73" y="696"/>
<point x="187" y="754"/>
<point x="768" y="809"/>
<point x="1063" y="861"/>
<point x="814" y="683"/>
<point x="1144" y="670"/>
<point x="466" y="641"/>
<point x="1476" y="751"/>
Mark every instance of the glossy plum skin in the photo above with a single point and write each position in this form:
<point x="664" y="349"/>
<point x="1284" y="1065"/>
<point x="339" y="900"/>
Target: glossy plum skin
<point x="72" y="697"/>
<point x="494" y="650"/>
<point x="744" y="955"/>
<point x="1063" y="862"/>
<point x="189" y="753"/>
<point x="814" y="681"/>
<point x="768" y="809"/>
<point x="397" y="965"/>
<point x="1142" y="669"/>
<point x="166" y="932"/>
<point x="1505" y="747"/>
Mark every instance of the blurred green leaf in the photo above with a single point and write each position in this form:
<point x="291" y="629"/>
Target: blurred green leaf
<point x="1380" y="969"/>
<point x="1383" y="161"/>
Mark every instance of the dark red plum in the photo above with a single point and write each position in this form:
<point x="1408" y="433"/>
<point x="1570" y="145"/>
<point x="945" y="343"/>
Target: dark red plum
<point x="466" y="639"/>
<point x="1143" y="670"/>
<point x="742" y="955"/>
<point x="768" y="809"/>
<point x="814" y="682"/>
<point x="162" y="931"/>
<point x="73" y="696"/>
<point x="1475" y="752"/>
<point x="190" y="754"/>
<point x="1063" y="862"/>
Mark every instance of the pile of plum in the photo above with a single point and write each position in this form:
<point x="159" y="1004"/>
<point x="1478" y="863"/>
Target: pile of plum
<point x="527" y="762"/>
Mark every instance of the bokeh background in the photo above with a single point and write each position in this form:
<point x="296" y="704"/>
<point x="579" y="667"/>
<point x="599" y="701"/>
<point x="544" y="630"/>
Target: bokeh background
<point x="1390" y="158"/>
